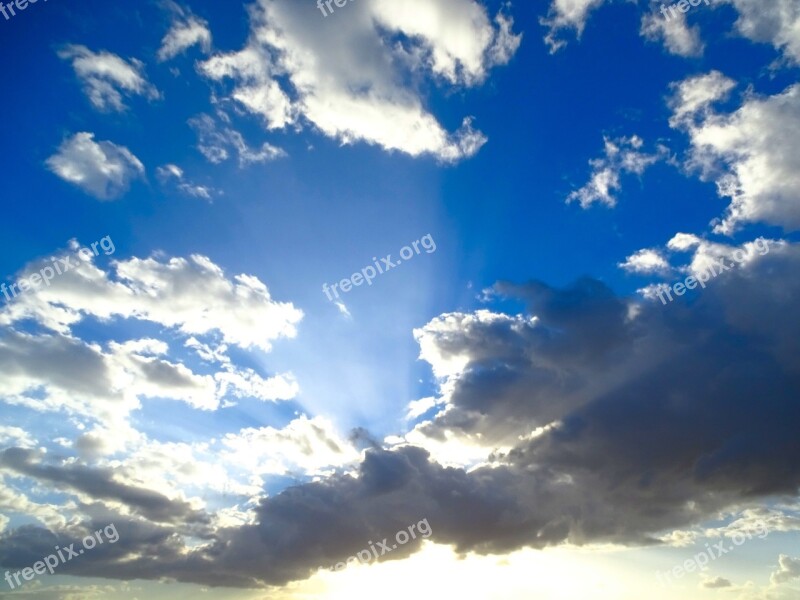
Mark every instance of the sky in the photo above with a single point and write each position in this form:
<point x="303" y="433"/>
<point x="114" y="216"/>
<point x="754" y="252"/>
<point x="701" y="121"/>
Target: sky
<point x="405" y="298"/>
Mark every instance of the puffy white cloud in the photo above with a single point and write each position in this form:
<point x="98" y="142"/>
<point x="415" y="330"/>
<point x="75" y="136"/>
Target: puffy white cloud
<point x="101" y="169"/>
<point x="191" y="295"/>
<point x="752" y="154"/>
<point x="106" y="77"/>
<point x="645" y="261"/>
<point x="100" y="385"/>
<point x="345" y="74"/>
<point x="776" y="22"/>
<point x="622" y="155"/>
<point x="186" y="31"/>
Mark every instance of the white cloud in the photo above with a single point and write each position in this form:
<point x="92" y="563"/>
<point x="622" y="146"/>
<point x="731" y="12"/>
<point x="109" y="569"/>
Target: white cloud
<point x="567" y="14"/>
<point x="644" y="262"/>
<point x="707" y="254"/>
<point x="101" y="169"/>
<point x="215" y="142"/>
<point x="173" y="172"/>
<point x="16" y="437"/>
<point x="308" y="445"/>
<point x="752" y="154"/>
<point x="186" y="31"/>
<point x="100" y="385"/>
<point x="106" y="77"/>
<point x="694" y="96"/>
<point x="191" y="295"/>
<point x="345" y="75"/>
<point x="622" y="155"/>
<point x="776" y="22"/>
<point x="675" y="33"/>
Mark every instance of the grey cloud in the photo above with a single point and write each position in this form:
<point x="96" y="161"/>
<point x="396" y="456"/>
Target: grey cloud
<point x="100" y="484"/>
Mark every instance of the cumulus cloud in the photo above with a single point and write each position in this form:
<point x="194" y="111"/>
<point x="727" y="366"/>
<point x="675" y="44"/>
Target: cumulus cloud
<point x="101" y="169"/>
<point x="608" y="425"/>
<point x="645" y="261"/>
<point x="788" y="569"/>
<point x="622" y="155"/>
<point x="751" y="154"/>
<point x="192" y="295"/>
<point x="186" y="31"/>
<point x="55" y="371"/>
<point x="776" y="23"/>
<point x="106" y="77"/>
<point x="354" y="93"/>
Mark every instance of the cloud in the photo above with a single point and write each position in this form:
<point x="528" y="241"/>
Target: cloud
<point x="608" y="424"/>
<point x="622" y="155"/>
<point x="788" y="569"/>
<point x="16" y="436"/>
<point x="344" y="77"/>
<point x="215" y="143"/>
<point x="567" y="14"/>
<point x="173" y="172"/>
<point x="308" y="446"/>
<point x="106" y="77"/>
<point x="186" y="31"/>
<point x="751" y="154"/>
<point x="776" y="23"/>
<point x="101" y="169"/>
<point x="678" y="38"/>
<point x="190" y="295"/>
<point x="644" y="262"/>
<point x="717" y="583"/>
<point x="97" y="483"/>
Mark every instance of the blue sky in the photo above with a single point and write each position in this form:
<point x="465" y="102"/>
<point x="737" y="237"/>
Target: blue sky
<point x="567" y="160"/>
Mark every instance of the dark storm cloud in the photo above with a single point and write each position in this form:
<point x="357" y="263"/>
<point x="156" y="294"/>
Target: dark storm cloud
<point x="659" y="416"/>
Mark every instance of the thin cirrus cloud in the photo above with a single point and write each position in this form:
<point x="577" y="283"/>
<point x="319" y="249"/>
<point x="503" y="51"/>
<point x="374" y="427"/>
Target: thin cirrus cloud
<point x="107" y="78"/>
<point x="101" y="169"/>
<point x="353" y="94"/>
<point x="216" y="142"/>
<point x="173" y="173"/>
<point x="186" y="30"/>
